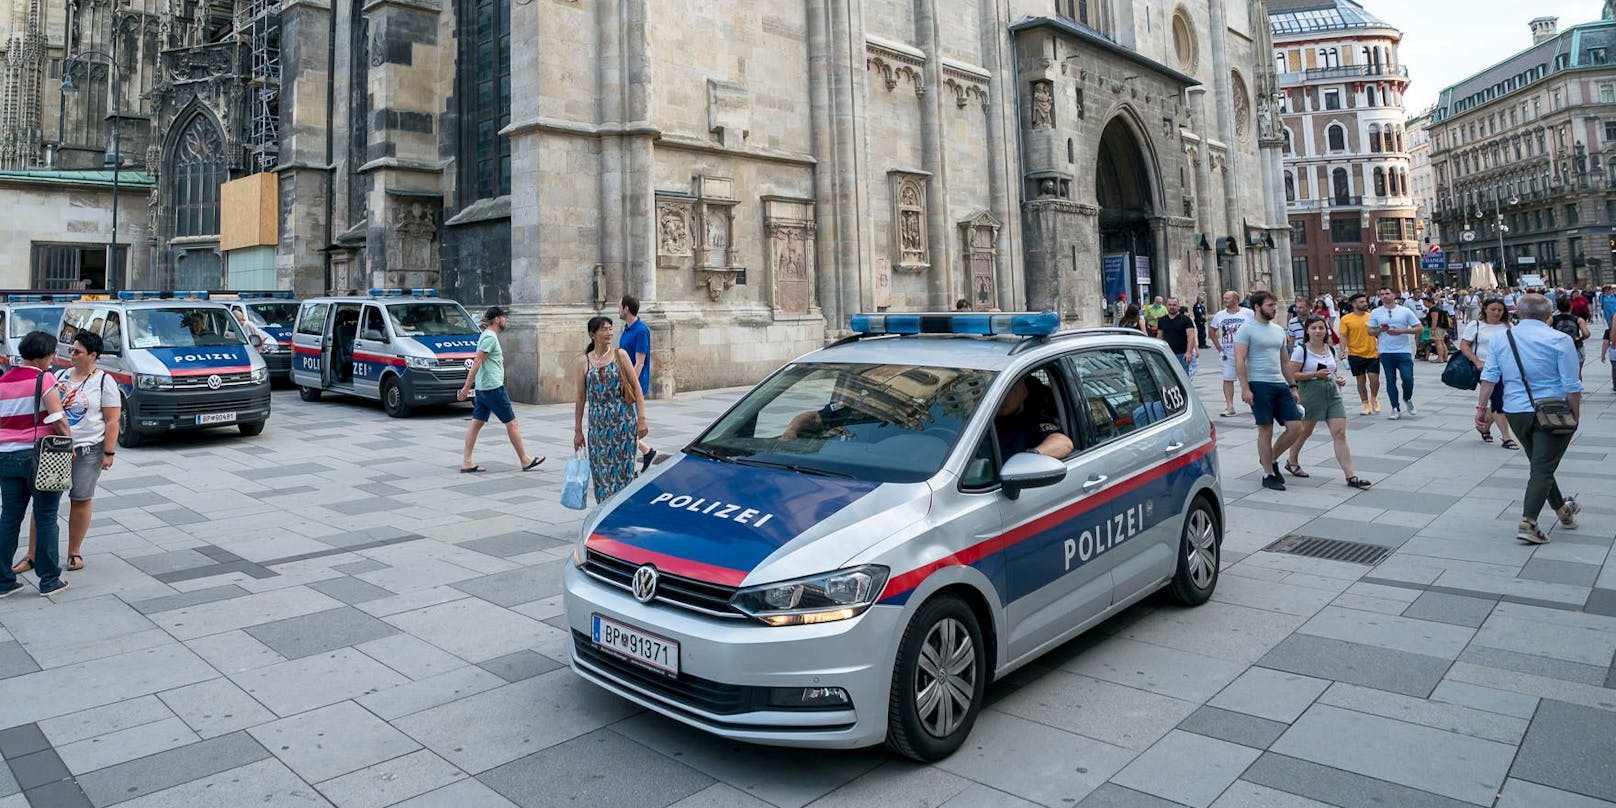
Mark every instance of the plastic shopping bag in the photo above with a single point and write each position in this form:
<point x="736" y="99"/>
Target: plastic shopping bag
<point x="575" y="482"/>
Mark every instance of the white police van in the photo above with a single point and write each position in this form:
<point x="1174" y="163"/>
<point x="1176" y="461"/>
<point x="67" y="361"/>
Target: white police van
<point x="181" y="361"/>
<point x="862" y="543"/>
<point x="26" y="313"/>
<point x="273" y="313"/>
<point x="405" y="350"/>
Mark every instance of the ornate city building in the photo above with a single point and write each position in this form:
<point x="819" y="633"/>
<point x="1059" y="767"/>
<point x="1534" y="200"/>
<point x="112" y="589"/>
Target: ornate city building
<point x="1422" y="179"/>
<point x="1525" y="159"/>
<point x="1346" y="181"/>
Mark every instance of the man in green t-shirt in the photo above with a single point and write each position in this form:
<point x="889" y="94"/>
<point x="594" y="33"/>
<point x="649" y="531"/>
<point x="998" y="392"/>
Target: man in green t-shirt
<point x="1153" y="314"/>
<point x="487" y="373"/>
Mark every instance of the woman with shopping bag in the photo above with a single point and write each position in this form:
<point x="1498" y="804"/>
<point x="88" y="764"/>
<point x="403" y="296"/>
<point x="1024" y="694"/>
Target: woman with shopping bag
<point x="608" y="387"/>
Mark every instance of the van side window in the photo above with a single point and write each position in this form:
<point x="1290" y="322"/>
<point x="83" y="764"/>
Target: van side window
<point x="311" y="320"/>
<point x="73" y="320"/>
<point x="112" y="334"/>
<point x="375" y="325"/>
<point x="1172" y="391"/>
<point x="1111" y="400"/>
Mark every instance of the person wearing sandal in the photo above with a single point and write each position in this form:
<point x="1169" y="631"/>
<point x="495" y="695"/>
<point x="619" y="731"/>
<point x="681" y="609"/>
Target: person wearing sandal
<point x="1474" y="340"/>
<point x="30" y="408"/>
<point x="1313" y="365"/>
<point x="90" y="400"/>
<point x="487" y="374"/>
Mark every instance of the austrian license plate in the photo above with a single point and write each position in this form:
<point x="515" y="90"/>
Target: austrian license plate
<point x="657" y="653"/>
<point x="216" y="418"/>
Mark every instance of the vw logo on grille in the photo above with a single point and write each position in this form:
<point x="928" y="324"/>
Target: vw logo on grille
<point x="645" y="583"/>
<point x="470" y="362"/>
<point x="214" y="381"/>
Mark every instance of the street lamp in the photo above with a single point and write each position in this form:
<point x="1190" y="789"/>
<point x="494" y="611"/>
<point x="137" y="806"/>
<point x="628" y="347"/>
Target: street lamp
<point x="115" y="158"/>
<point x="1500" y="227"/>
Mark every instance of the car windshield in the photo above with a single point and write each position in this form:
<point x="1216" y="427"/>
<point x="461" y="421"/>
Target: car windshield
<point x="430" y="319"/>
<point x="272" y="315"/>
<point x="883" y="423"/>
<point x="183" y="327"/>
<point x="35" y="318"/>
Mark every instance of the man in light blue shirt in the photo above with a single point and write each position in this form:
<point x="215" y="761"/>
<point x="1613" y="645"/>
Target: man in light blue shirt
<point x="1394" y="327"/>
<point x="1268" y="384"/>
<point x="1548" y="358"/>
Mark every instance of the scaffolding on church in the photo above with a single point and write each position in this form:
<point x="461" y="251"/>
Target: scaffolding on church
<point x="258" y="25"/>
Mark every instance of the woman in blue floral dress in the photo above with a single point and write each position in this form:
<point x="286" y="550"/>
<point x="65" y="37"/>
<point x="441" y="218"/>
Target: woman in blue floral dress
<point x="608" y="385"/>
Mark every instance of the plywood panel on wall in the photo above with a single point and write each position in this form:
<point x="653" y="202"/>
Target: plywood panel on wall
<point x="248" y="213"/>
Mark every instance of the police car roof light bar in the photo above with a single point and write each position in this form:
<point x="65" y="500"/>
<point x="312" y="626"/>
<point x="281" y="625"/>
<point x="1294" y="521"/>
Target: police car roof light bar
<point x="1020" y="324"/>
<point x="136" y="294"/>
<point x="41" y="298"/>
<point x="423" y="292"/>
<point x="193" y="294"/>
<point x="386" y="292"/>
<point x="281" y="295"/>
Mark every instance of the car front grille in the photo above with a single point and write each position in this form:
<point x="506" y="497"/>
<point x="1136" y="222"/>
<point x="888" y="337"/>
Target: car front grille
<point x="183" y="407"/>
<point x="225" y="380"/>
<point x="686" y="690"/>
<point x="699" y="596"/>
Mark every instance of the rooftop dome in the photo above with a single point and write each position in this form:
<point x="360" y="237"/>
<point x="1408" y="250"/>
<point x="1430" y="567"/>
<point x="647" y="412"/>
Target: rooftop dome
<point x="1310" y="16"/>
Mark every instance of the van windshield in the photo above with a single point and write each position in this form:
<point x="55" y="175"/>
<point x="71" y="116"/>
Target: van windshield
<point x="430" y="319"/>
<point x="183" y="327"/>
<point x="272" y="315"/>
<point x="35" y="318"/>
<point x="883" y="423"/>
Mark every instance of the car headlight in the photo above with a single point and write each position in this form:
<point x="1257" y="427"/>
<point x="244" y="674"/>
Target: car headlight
<point x="421" y="362"/>
<point x="146" y="381"/>
<point x="826" y="598"/>
<point x="260" y="375"/>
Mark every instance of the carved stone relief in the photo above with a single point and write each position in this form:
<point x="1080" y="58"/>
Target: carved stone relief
<point x="1242" y="106"/>
<point x="673" y="228"/>
<point x="696" y="234"/>
<point x="417" y="228"/>
<point x="909" y="222"/>
<point x="979" y="235"/>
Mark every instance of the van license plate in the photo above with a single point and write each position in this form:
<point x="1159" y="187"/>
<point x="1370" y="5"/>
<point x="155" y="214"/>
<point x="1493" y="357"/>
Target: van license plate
<point x="216" y="418"/>
<point x="657" y="653"/>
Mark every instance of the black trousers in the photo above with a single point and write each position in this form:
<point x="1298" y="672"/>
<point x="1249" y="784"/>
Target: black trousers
<point x="1544" y="450"/>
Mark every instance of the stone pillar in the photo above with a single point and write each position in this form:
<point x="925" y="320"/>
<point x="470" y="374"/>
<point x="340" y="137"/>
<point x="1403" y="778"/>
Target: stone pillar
<point x="1002" y="156"/>
<point x="1225" y="124"/>
<point x="305" y="133"/>
<point x="824" y="70"/>
<point x="940" y="280"/>
<point x="1196" y="99"/>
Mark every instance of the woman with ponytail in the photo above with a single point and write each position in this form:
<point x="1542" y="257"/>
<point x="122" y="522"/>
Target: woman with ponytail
<point x="609" y="388"/>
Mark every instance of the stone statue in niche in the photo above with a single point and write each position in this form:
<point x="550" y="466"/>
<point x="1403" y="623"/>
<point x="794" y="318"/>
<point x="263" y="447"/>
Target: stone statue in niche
<point x="717" y="232"/>
<point x="1268" y="123"/>
<point x="415" y="232"/>
<point x="909" y="231"/>
<point x="675" y="231"/>
<point x="1043" y="105"/>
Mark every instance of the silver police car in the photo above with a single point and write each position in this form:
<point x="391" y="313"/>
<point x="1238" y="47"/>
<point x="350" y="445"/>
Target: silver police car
<point x="865" y="540"/>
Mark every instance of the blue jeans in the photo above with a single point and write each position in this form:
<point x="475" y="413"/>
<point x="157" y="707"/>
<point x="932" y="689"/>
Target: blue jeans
<point x="16" y="488"/>
<point x="1394" y="366"/>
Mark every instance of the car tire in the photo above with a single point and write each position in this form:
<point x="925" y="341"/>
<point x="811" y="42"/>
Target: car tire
<point x="308" y="393"/>
<point x="254" y="428"/>
<point x="931" y="727"/>
<point x="1200" y="549"/>
<point x="128" y="436"/>
<point x="393" y="398"/>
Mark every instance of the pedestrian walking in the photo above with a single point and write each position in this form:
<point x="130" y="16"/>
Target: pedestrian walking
<point x="1199" y="310"/>
<point x="1362" y="352"/>
<point x="91" y="404"/>
<point x="636" y="340"/>
<point x="1313" y="366"/>
<point x="1607" y="353"/>
<point x="609" y="388"/>
<point x="1267" y="385"/>
<point x="1534" y="362"/>
<point x="1475" y="340"/>
<point x="1395" y="326"/>
<point x="1130" y="319"/>
<point x="1440" y="321"/>
<point x="487" y="374"/>
<point x="1178" y="330"/>
<point x="1152" y="315"/>
<point x="1118" y="309"/>
<point x="1572" y="326"/>
<point x="1607" y="303"/>
<point x="30" y="408"/>
<point x="1225" y="324"/>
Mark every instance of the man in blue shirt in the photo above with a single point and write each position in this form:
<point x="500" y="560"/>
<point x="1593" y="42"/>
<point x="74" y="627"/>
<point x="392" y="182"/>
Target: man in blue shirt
<point x="1607" y="303"/>
<point x="1394" y="327"/>
<point x="1548" y="358"/>
<point x="1267" y="385"/>
<point x="636" y="340"/>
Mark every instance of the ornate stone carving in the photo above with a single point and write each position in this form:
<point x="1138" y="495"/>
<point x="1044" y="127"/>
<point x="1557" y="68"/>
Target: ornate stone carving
<point x="909" y="222"/>
<point x="1269" y="126"/>
<point x="673" y="229"/>
<point x="1043" y="105"/>
<point x="979" y="235"/>
<point x="1242" y="106"/>
<point x="416" y="228"/>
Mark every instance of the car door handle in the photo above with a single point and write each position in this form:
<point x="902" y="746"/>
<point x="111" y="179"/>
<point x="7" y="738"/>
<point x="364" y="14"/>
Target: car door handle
<point x="1095" y="482"/>
<point x="1174" y="446"/>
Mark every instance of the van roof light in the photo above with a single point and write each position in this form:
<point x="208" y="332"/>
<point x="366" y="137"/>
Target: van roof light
<point x="423" y="292"/>
<point x="386" y="292"/>
<point x="1018" y="323"/>
<point x="136" y="294"/>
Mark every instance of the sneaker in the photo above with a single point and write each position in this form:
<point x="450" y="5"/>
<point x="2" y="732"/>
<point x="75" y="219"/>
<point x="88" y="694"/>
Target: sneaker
<point x="645" y="459"/>
<point x="1273" y="482"/>
<point x="1529" y="533"/>
<point x="1226" y="413"/>
<point x="1568" y="513"/>
<point x="1396" y="415"/>
<point x="45" y="589"/>
<point x="1367" y="409"/>
<point x="1376" y="402"/>
<point x="11" y="590"/>
<point x="1411" y="410"/>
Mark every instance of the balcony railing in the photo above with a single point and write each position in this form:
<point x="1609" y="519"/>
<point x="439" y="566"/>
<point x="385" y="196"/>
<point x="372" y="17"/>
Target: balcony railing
<point x="1347" y="72"/>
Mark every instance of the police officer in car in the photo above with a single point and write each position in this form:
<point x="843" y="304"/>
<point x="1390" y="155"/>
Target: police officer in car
<point x="1027" y="422"/>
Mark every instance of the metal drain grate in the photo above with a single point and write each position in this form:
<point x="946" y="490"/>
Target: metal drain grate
<point x="1351" y="552"/>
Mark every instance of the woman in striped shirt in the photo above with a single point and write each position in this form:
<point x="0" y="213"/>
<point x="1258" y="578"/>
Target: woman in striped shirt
<point x="22" y="421"/>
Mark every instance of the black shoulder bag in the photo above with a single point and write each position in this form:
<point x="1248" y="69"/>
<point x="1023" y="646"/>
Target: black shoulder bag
<point x="1554" y="415"/>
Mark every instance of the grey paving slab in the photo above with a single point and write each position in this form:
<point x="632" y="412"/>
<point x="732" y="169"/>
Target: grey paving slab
<point x="291" y="687"/>
<point x="19" y="741"/>
<point x="1242" y="794"/>
<point x="124" y="745"/>
<point x="462" y="794"/>
<point x="1227" y="725"/>
<point x="1111" y="795"/>
<point x="1158" y="669"/>
<point x="520" y="665"/>
<point x="1587" y="645"/>
<point x="897" y="782"/>
<point x="216" y="707"/>
<point x="1071" y="766"/>
<point x="322" y="744"/>
<point x="472" y="629"/>
<point x="1355" y="663"/>
<point x="99" y="681"/>
<point x="506" y="545"/>
<point x="172" y="561"/>
<point x="38" y="769"/>
<point x="1487" y="699"/>
<point x="149" y="775"/>
<point x="234" y="652"/>
<point x="516" y="587"/>
<point x="8" y="787"/>
<point x="1242" y="634"/>
<point x="1187" y="768"/>
<point x="1339" y="787"/>
<point x="1113" y="713"/>
<point x="1387" y="631"/>
<point x="317" y="633"/>
<point x="350" y="590"/>
<point x="415" y="658"/>
<point x="195" y="621"/>
<point x="262" y="783"/>
<point x="396" y="702"/>
<point x="58" y="794"/>
<point x="1560" y="572"/>
<point x="391" y="781"/>
<point x="1572" y="748"/>
<point x="1446" y="763"/>
<point x="358" y="567"/>
<point x="568" y="774"/>
<point x="195" y="597"/>
<point x="1456" y="609"/>
<point x="1271" y="596"/>
<point x="1522" y="794"/>
<point x="1535" y="665"/>
<point x="1429" y="713"/>
<point x="1276" y="695"/>
<point x="1368" y="533"/>
<point x="98" y="721"/>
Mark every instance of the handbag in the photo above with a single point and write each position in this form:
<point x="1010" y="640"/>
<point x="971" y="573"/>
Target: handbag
<point x="53" y="454"/>
<point x="575" y="482"/>
<point x="1554" y="415"/>
<point x="1461" y="373"/>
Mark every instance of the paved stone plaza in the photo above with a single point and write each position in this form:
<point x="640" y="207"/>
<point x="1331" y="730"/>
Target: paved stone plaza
<point x="330" y="614"/>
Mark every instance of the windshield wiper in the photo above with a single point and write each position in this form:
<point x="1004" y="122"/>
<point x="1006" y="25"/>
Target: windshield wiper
<point x="817" y="472"/>
<point x="702" y="451"/>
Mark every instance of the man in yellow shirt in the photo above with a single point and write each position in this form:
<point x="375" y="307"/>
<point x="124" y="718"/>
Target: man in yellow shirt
<point x="1153" y="314"/>
<point x="1362" y="352"/>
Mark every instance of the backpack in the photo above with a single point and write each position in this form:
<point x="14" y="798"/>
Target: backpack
<point x="1567" y="324"/>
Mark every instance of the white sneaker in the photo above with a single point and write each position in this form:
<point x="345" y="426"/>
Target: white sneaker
<point x="1568" y="513"/>
<point x="1396" y="415"/>
<point x="1411" y="410"/>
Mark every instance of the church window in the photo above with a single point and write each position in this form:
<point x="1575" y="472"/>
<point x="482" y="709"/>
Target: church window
<point x="199" y="170"/>
<point x="485" y="90"/>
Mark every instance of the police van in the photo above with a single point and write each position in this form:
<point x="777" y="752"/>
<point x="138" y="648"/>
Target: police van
<point x="272" y="313"/>
<point x="879" y="529"/>
<point x="181" y="361"/>
<point x="405" y="350"/>
<point x="26" y="313"/>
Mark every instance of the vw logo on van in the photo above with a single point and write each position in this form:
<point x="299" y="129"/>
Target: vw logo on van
<point x="470" y="362"/>
<point x="214" y="382"/>
<point x="645" y="583"/>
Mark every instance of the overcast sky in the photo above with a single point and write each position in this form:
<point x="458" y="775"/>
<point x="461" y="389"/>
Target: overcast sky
<point x="1445" y="41"/>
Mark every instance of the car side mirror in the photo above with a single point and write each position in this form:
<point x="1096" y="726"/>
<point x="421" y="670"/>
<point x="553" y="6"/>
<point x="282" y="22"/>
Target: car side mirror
<point x="1030" y="470"/>
<point x="255" y="341"/>
<point x="373" y="335"/>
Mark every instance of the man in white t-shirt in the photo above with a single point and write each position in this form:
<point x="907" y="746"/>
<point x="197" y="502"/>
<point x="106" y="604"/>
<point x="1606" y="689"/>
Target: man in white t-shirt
<point x="1225" y="324"/>
<point x="1394" y="328"/>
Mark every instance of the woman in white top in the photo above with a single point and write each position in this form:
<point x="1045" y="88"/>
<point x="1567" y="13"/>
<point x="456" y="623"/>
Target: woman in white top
<point x="1473" y="341"/>
<point x="1314" y="369"/>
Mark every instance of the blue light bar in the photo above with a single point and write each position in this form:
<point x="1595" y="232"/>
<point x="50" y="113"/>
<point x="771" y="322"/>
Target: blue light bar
<point x="132" y="294"/>
<point x="195" y="294"/>
<point x="282" y="295"/>
<point x="424" y="292"/>
<point x="386" y="292"/>
<point x="1020" y="324"/>
<point x="62" y="298"/>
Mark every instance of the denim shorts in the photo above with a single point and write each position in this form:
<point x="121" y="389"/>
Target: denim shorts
<point x="494" y="402"/>
<point x="1271" y="402"/>
<point x="86" y="471"/>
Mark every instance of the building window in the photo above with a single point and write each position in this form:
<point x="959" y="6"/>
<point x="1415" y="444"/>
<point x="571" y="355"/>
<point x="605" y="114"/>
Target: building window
<point x="485" y="89"/>
<point x="1380" y="181"/>
<point x="1332" y="99"/>
<point x="1610" y="211"/>
<point x="1572" y="219"/>
<point x="1288" y="140"/>
<point x="1290" y="187"/>
<point x="1082" y="11"/>
<point x="1299" y="279"/>
<point x="1374" y="138"/>
<point x="1185" y="47"/>
<point x="1299" y="232"/>
<point x="1597" y="56"/>
<point x="1337" y="135"/>
<point x="1389" y="230"/>
<point x="1349" y="279"/>
<point x="1341" y="187"/>
<point x="1346" y="230"/>
<point x="199" y="170"/>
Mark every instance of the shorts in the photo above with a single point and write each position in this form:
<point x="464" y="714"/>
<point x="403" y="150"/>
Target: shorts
<point x="1226" y="365"/>
<point x="1364" y="365"/>
<point x="86" y="471"/>
<point x="1496" y="403"/>
<point x="1321" y="400"/>
<point x="1439" y="334"/>
<point x="1272" y="402"/>
<point x="494" y="402"/>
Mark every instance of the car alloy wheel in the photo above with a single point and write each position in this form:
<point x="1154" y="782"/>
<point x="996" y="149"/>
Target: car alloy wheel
<point x="1201" y="549"/>
<point x="945" y="679"/>
<point x="939" y="676"/>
